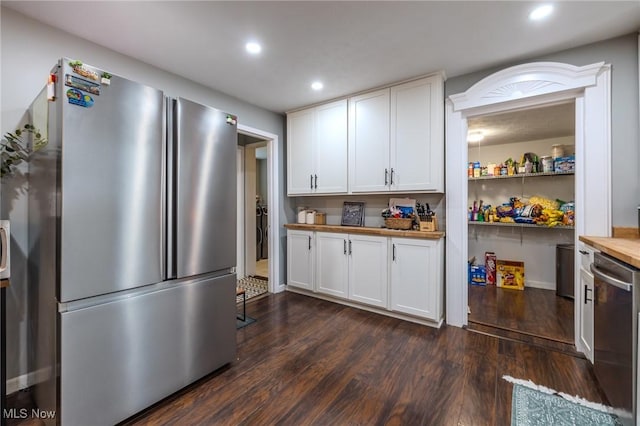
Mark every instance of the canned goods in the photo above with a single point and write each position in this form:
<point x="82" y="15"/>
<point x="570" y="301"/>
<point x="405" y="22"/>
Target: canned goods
<point x="547" y="164"/>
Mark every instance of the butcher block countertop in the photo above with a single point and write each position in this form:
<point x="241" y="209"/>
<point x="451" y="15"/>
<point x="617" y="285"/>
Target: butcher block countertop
<point x="624" y="249"/>
<point x="436" y="235"/>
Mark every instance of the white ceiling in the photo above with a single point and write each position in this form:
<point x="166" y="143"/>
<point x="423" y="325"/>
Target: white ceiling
<point x="545" y="122"/>
<point x="350" y="46"/>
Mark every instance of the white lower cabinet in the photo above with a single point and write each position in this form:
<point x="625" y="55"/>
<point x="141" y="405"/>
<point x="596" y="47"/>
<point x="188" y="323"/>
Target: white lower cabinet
<point x="352" y="267"/>
<point x="332" y="264"/>
<point x="388" y="274"/>
<point x="585" y="300"/>
<point x="416" y="277"/>
<point x="300" y="259"/>
<point x="368" y="269"/>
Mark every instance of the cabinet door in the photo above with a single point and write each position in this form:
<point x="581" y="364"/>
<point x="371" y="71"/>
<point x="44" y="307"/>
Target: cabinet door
<point x="586" y="313"/>
<point x="416" y="277"/>
<point x="369" y="142"/>
<point x="330" y="175"/>
<point x="417" y="136"/>
<point x="300" y="259"/>
<point x="331" y="264"/>
<point x="368" y="270"/>
<point x="300" y="133"/>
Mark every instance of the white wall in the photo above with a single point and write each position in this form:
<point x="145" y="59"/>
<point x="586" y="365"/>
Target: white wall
<point x="29" y="51"/>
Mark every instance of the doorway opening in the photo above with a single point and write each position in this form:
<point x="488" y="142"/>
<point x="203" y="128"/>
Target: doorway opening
<point x="255" y="252"/>
<point x="527" y="86"/>
<point x="521" y="202"/>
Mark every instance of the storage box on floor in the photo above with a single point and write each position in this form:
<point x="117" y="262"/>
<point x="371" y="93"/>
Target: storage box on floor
<point x="509" y="274"/>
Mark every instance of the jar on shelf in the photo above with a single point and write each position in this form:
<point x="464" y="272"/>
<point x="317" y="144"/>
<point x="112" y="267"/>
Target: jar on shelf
<point x="557" y="151"/>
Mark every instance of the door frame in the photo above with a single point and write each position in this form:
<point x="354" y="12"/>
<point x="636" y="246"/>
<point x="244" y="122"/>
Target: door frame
<point x="275" y="286"/>
<point x="527" y="86"/>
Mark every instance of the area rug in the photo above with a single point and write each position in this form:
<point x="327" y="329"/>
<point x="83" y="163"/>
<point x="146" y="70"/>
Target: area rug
<point x="253" y="287"/>
<point x="538" y="405"/>
<point x="240" y="324"/>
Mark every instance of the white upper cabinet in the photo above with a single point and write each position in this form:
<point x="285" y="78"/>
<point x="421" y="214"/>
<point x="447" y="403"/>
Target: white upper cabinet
<point x="317" y="150"/>
<point x="417" y="136"/>
<point x="300" y="132"/>
<point x="369" y="142"/>
<point x="331" y="148"/>
<point x="396" y="138"/>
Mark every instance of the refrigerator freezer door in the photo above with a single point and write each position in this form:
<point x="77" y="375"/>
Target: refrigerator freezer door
<point x="118" y="358"/>
<point x="205" y="200"/>
<point x="112" y="188"/>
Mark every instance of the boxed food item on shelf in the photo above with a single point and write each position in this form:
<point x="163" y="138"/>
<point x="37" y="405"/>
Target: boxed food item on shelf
<point x="510" y="274"/>
<point x="565" y="164"/>
<point x="477" y="275"/>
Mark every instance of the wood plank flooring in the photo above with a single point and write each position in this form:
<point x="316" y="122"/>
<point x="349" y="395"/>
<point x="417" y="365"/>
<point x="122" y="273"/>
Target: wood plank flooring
<point x="534" y="312"/>
<point x="311" y="362"/>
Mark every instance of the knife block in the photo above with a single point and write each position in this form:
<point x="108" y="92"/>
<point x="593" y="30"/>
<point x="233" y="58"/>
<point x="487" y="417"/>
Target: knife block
<point x="431" y="226"/>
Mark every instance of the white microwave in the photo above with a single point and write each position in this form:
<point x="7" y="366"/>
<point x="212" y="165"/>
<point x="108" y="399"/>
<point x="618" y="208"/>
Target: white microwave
<point x="5" y="242"/>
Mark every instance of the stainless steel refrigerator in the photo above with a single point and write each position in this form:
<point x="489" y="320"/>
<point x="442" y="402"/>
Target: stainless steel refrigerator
<point x="132" y="229"/>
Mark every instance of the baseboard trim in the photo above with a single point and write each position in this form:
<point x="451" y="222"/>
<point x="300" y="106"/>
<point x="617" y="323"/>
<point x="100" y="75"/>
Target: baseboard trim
<point x="25" y="381"/>
<point x="540" y="284"/>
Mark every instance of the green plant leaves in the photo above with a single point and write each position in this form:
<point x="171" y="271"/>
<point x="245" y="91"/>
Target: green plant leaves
<point x="14" y="150"/>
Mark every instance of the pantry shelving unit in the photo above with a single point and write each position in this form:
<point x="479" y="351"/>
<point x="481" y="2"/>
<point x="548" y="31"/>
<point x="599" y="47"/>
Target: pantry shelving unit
<point x="519" y="225"/>
<point x="521" y="175"/>
<point x="533" y="244"/>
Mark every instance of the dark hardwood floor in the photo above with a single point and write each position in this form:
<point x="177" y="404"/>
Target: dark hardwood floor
<point x="308" y="361"/>
<point x="532" y="313"/>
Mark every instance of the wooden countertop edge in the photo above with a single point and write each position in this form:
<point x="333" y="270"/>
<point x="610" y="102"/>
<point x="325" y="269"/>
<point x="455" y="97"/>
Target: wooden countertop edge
<point x="4" y="283"/>
<point x="624" y="249"/>
<point x="436" y="235"/>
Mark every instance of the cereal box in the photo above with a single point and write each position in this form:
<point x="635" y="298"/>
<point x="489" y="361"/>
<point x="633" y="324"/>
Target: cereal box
<point x="510" y="274"/>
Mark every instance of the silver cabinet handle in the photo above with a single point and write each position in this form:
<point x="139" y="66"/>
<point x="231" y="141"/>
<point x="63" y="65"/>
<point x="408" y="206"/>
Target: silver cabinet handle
<point x="316" y="185"/>
<point x="344" y="245"/>
<point x="309" y="242"/>
<point x="311" y="183"/>
<point x="393" y="250"/>
<point x="392" y="176"/>
<point x="386" y="177"/>
<point x="349" y="246"/>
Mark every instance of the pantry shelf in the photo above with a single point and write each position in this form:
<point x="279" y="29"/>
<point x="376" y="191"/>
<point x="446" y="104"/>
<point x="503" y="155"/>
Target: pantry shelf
<point x="521" y="175"/>
<point x="519" y="225"/>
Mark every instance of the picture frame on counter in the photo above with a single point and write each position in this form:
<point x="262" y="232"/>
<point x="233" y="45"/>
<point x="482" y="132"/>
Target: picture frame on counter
<point x="352" y="214"/>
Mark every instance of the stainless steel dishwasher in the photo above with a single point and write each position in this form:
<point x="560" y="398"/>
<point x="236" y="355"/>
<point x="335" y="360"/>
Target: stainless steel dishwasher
<point x="615" y="331"/>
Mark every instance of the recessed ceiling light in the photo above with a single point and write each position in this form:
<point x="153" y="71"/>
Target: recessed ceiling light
<point x="475" y="137"/>
<point x="316" y="85"/>
<point x="253" y="48"/>
<point x="541" y="12"/>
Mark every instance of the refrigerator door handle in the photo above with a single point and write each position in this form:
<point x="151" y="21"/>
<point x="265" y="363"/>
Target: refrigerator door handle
<point x="163" y="196"/>
<point x="171" y="133"/>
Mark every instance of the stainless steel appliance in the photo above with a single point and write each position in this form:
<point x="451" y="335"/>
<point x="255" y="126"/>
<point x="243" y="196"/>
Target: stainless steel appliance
<point x="615" y="331"/>
<point x="132" y="229"/>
